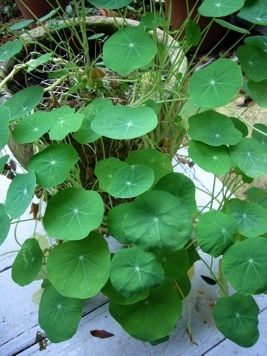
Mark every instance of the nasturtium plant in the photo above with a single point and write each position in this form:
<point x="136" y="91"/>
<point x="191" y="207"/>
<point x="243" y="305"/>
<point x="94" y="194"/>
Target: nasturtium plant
<point x="10" y="49"/>
<point x="28" y="262"/>
<point x="216" y="160"/>
<point x="215" y="232"/>
<point x="53" y="164"/>
<point x="115" y="221"/>
<point x="215" y="85"/>
<point x="32" y="127"/>
<point x="236" y="317"/>
<point x="106" y="169"/>
<point x="110" y="4"/>
<point x="158" y="220"/>
<point x="24" y="101"/>
<point x="219" y="8"/>
<point x="4" y="224"/>
<point x="244" y="265"/>
<point x="213" y="128"/>
<point x="181" y="187"/>
<point x="113" y="295"/>
<point x="254" y="11"/>
<point x="3" y="161"/>
<point x="124" y="122"/>
<point x="65" y="120"/>
<point x="192" y="33"/>
<point x="20" y="194"/>
<point x="174" y="263"/>
<point x="257" y="91"/>
<point x="5" y="117"/>
<point x="72" y="213"/>
<point x="132" y="42"/>
<point x="85" y="134"/>
<point x="131" y="181"/>
<point x="98" y="134"/>
<point x="250" y="217"/>
<point x="59" y="316"/>
<point x="79" y="269"/>
<point x="159" y="162"/>
<point x="133" y="271"/>
<point x="152" y="318"/>
<point x="253" y="61"/>
<point x="262" y="135"/>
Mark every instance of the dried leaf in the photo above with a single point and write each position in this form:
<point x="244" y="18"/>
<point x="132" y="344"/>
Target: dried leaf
<point x="102" y="334"/>
<point x="209" y="280"/>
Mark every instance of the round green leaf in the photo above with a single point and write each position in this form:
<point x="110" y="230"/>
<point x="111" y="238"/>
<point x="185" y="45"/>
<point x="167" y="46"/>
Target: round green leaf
<point x="20" y="194"/>
<point x="128" y="49"/>
<point x="4" y="224"/>
<point x="213" y="128"/>
<point x="257" y="195"/>
<point x="28" y="262"/>
<point x="85" y="134"/>
<point x="259" y="136"/>
<point x="152" y="318"/>
<point x="257" y="92"/>
<point x="59" y="316"/>
<point x="33" y="127"/>
<point x="24" y="101"/>
<point x="72" y="213"/>
<point x="245" y="264"/>
<point x="106" y="169"/>
<point x="79" y="269"/>
<point x="160" y="163"/>
<point x="253" y="61"/>
<point x="133" y="271"/>
<point x="151" y="20"/>
<point x="237" y="319"/>
<point x="4" y="122"/>
<point x="215" y="232"/>
<point x="216" y="160"/>
<point x="125" y="122"/>
<point x="217" y="84"/>
<point x="219" y="8"/>
<point x="10" y="49"/>
<point x="180" y="186"/>
<point x="115" y="221"/>
<point x="174" y="263"/>
<point x="192" y="33"/>
<point x="109" y="291"/>
<point x="250" y="156"/>
<point x="158" y="220"/>
<point x="110" y="4"/>
<point x="65" y="121"/>
<point x="53" y="164"/>
<point x="254" y="11"/>
<point x="259" y="41"/>
<point x="240" y="126"/>
<point x="131" y="181"/>
<point x="250" y="217"/>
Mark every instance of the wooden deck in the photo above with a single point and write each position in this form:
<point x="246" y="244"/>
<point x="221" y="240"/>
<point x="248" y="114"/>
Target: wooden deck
<point x="19" y="315"/>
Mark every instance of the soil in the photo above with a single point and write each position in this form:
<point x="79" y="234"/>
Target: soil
<point x="249" y="110"/>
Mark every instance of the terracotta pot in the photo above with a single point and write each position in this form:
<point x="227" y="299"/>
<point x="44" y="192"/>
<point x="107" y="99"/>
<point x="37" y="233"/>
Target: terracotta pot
<point x="177" y="10"/>
<point x="32" y="9"/>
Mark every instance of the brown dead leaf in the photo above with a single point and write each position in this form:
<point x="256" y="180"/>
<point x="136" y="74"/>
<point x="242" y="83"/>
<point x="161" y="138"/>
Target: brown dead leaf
<point x="102" y="334"/>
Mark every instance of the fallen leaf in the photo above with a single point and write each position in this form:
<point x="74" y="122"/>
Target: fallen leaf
<point x="102" y="334"/>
